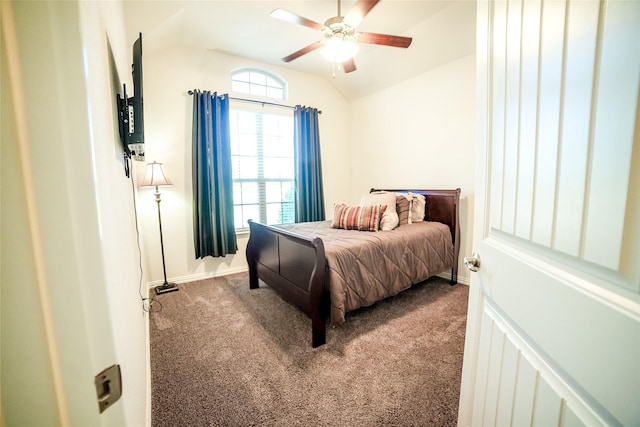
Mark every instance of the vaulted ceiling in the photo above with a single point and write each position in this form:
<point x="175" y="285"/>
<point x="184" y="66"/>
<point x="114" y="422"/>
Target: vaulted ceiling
<point x="442" y="31"/>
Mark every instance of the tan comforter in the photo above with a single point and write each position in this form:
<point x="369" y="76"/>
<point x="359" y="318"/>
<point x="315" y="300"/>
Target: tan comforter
<point x="365" y="267"/>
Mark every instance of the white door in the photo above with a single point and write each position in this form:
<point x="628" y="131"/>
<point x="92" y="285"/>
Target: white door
<point x="553" y="335"/>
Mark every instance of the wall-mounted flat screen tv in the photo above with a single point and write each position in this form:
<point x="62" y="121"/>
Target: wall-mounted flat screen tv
<point x="131" y="115"/>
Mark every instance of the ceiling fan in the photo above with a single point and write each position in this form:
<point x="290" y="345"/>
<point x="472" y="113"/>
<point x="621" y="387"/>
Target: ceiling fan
<point x="340" y="37"/>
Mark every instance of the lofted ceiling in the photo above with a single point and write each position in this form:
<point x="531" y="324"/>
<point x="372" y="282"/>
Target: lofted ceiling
<point x="442" y="31"/>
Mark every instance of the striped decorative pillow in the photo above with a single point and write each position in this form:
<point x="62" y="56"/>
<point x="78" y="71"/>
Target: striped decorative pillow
<point x="402" y="207"/>
<point x="361" y="218"/>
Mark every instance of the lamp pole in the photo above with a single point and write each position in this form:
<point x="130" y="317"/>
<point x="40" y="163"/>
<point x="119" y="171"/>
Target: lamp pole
<point x="155" y="177"/>
<point x="166" y="286"/>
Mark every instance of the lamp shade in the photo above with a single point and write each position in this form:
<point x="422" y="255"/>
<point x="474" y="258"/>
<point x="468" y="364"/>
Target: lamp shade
<point x="155" y="176"/>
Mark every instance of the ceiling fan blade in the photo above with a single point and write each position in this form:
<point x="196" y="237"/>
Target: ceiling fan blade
<point x="304" y="50"/>
<point x="349" y="65"/>
<point x="359" y="10"/>
<point x="291" y="17"/>
<point x="385" y="39"/>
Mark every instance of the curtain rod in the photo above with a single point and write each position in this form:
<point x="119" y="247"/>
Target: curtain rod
<point x="263" y="103"/>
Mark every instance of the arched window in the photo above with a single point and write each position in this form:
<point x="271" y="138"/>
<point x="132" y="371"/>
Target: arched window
<point x="257" y="82"/>
<point x="261" y="151"/>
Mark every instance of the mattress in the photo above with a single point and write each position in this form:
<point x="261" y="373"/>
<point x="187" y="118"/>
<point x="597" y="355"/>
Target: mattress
<point x="366" y="267"/>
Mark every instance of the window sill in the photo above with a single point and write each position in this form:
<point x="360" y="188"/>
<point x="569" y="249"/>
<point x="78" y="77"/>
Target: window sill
<point x="242" y="232"/>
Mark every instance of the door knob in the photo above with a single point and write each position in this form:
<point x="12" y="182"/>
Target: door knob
<point x="472" y="262"/>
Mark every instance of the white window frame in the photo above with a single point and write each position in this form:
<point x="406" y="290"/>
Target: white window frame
<point x="257" y="82"/>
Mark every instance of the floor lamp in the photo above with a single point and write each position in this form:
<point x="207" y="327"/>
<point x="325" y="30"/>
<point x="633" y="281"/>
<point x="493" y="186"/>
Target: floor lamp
<point x="155" y="177"/>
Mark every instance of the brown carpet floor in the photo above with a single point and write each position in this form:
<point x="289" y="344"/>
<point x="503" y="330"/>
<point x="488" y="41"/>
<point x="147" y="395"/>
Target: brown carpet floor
<point x="225" y="355"/>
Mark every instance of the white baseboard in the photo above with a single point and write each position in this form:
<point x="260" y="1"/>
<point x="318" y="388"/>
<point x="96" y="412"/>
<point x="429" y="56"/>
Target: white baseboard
<point x="199" y="276"/>
<point x="226" y="272"/>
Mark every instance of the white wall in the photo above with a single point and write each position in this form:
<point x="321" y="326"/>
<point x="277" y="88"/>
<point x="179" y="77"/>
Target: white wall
<point x="420" y="133"/>
<point x="70" y="302"/>
<point x="108" y="65"/>
<point x="168" y="76"/>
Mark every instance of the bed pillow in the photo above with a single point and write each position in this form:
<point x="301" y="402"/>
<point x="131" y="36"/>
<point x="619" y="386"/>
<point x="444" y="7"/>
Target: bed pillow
<point x="389" y="219"/>
<point x="402" y="208"/>
<point x="418" y="205"/>
<point x="361" y="218"/>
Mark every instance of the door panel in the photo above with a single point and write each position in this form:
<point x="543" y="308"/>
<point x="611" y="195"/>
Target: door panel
<point x="574" y="153"/>
<point x="590" y="339"/>
<point x="553" y="335"/>
<point x="523" y="399"/>
<point x="562" y="123"/>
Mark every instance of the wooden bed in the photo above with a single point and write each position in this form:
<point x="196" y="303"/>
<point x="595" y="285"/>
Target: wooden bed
<point x="295" y="265"/>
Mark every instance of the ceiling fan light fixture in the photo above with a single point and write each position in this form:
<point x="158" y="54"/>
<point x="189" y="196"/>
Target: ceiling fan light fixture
<point x="339" y="50"/>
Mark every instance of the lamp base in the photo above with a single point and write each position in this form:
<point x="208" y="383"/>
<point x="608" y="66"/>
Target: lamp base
<point x="166" y="287"/>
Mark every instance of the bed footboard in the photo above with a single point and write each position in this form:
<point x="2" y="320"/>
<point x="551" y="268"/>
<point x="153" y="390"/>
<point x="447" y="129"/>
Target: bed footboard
<point x="295" y="267"/>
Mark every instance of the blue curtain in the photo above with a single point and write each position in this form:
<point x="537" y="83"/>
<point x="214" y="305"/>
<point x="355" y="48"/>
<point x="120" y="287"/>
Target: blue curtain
<point x="213" y="225"/>
<point x="308" y="165"/>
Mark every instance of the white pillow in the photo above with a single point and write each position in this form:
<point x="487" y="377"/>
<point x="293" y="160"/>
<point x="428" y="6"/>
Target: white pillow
<point x="418" y="203"/>
<point x="390" y="218"/>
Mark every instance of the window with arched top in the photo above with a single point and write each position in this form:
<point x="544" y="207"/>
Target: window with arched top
<point x="261" y="151"/>
<point x="259" y="83"/>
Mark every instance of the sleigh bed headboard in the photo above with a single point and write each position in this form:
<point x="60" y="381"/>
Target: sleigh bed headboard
<point x="442" y="206"/>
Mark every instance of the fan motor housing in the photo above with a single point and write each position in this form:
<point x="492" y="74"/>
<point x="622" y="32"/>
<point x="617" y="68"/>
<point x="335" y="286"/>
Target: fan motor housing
<point x="335" y="27"/>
